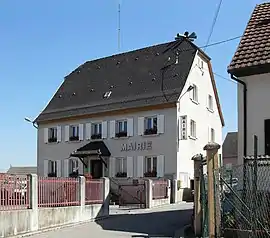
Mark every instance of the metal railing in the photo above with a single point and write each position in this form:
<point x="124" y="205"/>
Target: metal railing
<point x="93" y="191"/>
<point x="58" y="192"/>
<point x="14" y="192"/>
<point x="160" y="189"/>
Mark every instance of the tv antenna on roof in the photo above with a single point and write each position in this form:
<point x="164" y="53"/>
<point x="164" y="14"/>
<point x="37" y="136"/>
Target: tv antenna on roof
<point x="119" y="29"/>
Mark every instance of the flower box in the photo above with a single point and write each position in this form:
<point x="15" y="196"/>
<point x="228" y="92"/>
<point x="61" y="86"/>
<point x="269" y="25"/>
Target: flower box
<point x="96" y="136"/>
<point x="151" y="131"/>
<point x="121" y="134"/>
<point x="52" y="139"/>
<point x="74" y="138"/>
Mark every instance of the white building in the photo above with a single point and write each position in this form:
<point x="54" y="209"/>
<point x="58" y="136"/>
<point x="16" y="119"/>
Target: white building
<point x="148" y="111"/>
<point x="251" y="65"/>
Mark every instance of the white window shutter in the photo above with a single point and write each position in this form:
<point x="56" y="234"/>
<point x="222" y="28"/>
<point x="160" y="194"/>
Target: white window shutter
<point x="160" y="124"/>
<point x="88" y="131"/>
<point x="66" y="133"/>
<point x="66" y="168"/>
<point x="46" y="131"/>
<point x="140" y="126"/>
<point x="112" y="129"/>
<point x="129" y="167"/>
<point x="104" y="128"/>
<point x="130" y="127"/>
<point x="160" y="166"/>
<point x="81" y="132"/>
<point x="112" y="167"/>
<point x="45" y="169"/>
<point x="140" y="166"/>
<point x="58" y="168"/>
<point x="59" y="133"/>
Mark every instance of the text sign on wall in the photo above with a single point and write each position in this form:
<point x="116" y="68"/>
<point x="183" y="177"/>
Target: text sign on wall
<point x="134" y="146"/>
<point x="183" y="127"/>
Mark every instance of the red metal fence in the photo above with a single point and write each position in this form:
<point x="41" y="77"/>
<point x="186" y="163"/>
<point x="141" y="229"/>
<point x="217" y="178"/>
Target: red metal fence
<point x="93" y="191"/>
<point x="58" y="192"/>
<point x="14" y="192"/>
<point x="160" y="189"/>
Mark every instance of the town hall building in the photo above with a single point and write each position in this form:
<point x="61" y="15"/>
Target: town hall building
<point x="142" y="113"/>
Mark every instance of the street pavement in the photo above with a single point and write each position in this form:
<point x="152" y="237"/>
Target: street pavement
<point x="126" y="223"/>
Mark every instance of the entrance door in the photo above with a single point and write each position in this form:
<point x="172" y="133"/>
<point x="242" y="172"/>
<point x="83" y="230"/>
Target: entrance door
<point x="96" y="169"/>
<point x="267" y="136"/>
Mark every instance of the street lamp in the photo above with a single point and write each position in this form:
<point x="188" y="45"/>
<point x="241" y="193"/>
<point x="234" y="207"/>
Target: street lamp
<point x="30" y="121"/>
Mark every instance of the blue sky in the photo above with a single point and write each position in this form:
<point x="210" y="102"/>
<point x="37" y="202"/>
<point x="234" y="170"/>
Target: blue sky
<point x="42" y="41"/>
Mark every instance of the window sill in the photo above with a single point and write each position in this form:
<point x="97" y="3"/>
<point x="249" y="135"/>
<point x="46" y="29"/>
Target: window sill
<point x="192" y="138"/>
<point x="210" y="110"/>
<point x="195" y="102"/>
<point x="151" y="135"/>
<point x="121" y="138"/>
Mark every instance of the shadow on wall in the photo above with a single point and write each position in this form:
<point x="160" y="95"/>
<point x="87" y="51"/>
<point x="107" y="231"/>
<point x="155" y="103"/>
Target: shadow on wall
<point x="155" y="224"/>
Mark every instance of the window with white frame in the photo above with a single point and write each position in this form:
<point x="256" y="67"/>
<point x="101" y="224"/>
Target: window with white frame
<point x="212" y="135"/>
<point x="121" y="128"/>
<point x="73" y="167"/>
<point x="52" y="134"/>
<point x="121" y="167"/>
<point x="96" y="131"/>
<point x="150" y="166"/>
<point x="52" y="168"/>
<point x="195" y="93"/>
<point x="192" y="129"/>
<point x="150" y="125"/>
<point x="74" y="133"/>
<point x="210" y="102"/>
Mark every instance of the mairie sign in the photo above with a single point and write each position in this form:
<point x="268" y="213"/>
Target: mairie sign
<point x="134" y="146"/>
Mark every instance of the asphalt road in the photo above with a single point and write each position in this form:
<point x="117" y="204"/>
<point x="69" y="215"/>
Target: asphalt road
<point x="158" y="222"/>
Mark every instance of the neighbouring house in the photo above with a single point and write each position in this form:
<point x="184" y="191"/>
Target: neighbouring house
<point x="142" y="113"/>
<point x="250" y="66"/>
<point x="22" y="170"/>
<point x="229" y="149"/>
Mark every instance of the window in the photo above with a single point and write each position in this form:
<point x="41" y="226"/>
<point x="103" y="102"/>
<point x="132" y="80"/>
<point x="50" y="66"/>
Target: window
<point x="192" y="129"/>
<point x="73" y="167"/>
<point x="212" y="135"/>
<point x="96" y="131"/>
<point x="121" y="167"/>
<point x="52" y="168"/>
<point x="150" y="167"/>
<point x="74" y="133"/>
<point x="121" y="129"/>
<point x="210" y="102"/>
<point x="52" y="134"/>
<point x="150" y="125"/>
<point x="195" y="93"/>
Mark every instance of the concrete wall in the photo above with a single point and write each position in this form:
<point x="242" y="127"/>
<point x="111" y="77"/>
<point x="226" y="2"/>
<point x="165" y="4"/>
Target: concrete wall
<point x="30" y="220"/>
<point x="204" y="118"/>
<point x="258" y="109"/>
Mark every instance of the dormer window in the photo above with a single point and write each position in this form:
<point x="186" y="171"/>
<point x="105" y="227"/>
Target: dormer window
<point x="107" y="94"/>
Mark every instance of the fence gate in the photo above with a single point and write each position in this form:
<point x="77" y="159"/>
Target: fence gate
<point x="131" y="193"/>
<point x="245" y="197"/>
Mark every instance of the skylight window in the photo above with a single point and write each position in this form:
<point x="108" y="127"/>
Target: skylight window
<point x="107" y="94"/>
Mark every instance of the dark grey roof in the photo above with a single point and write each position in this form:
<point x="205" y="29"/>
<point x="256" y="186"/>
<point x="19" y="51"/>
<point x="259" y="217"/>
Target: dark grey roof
<point x="134" y="78"/>
<point x="229" y="147"/>
<point x="22" y="170"/>
<point x="93" y="146"/>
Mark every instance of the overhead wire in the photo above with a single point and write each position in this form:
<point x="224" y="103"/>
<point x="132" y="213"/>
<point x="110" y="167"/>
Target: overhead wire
<point x="213" y="23"/>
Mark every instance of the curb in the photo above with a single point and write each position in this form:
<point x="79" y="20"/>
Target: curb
<point x="58" y="227"/>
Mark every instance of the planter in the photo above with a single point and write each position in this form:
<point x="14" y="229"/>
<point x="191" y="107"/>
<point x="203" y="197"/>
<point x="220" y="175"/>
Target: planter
<point x="96" y="136"/>
<point x="52" y="175"/>
<point x="121" y="134"/>
<point x="150" y="174"/>
<point x="121" y="175"/>
<point x="151" y="131"/>
<point x="74" y="138"/>
<point x="51" y="140"/>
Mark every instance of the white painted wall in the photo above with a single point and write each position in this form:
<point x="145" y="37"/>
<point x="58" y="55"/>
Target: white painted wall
<point x="258" y="109"/>
<point x="163" y="144"/>
<point x="200" y="114"/>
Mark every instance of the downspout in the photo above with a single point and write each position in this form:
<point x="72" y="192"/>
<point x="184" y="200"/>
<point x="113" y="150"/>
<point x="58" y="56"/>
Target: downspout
<point x="244" y="110"/>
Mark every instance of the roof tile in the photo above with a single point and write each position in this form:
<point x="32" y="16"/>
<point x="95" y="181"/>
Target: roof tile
<point x="253" y="49"/>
